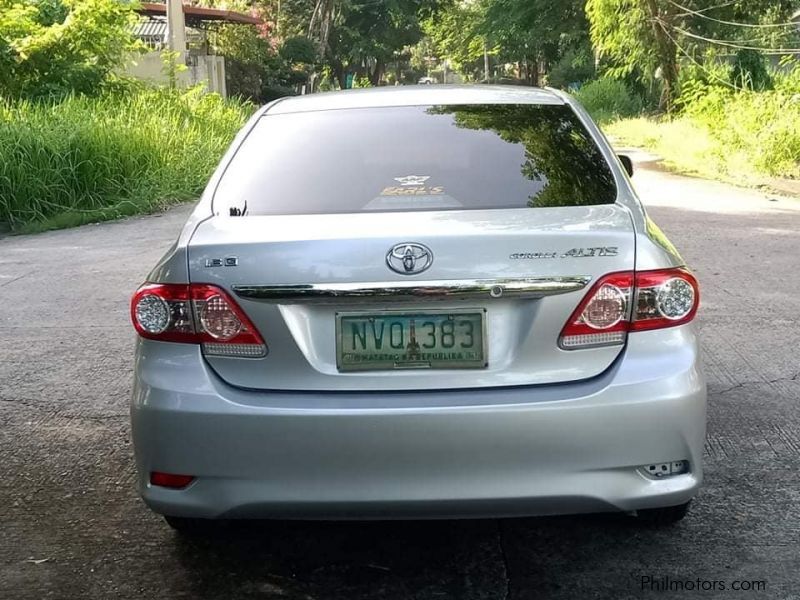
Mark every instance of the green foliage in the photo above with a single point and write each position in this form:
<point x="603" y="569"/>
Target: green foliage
<point x="54" y="47"/>
<point x="765" y="126"/>
<point x="750" y="71"/>
<point x="736" y="136"/>
<point x="299" y="50"/>
<point x="361" y="82"/>
<point x="299" y="60"/>
<point x="89" y="159"/>
<point x="534" y="32"/>
<point x="648" y="38"/>
<point x="453" y="35"/>
<point x="255" y="69"/>
<point x="531" y="35"/>
<point x="250" y="60"/>
<point x="171" y="66"/>
<point x="621" y="34"/>
<point x="366" y="36"/>
<point x="575" y="66"/>
<point x="699" y="83"/>
<point x="787" y="80"/>
<point x="608" y="99"/>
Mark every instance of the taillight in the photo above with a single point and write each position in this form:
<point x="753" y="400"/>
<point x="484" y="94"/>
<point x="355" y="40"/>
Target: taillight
<point x="602" y="317"/>
<point x="665" y="298"/>
<point x="623" y="302"/>
<point x="197" y="313"/>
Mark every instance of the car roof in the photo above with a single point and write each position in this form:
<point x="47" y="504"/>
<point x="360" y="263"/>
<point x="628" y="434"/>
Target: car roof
<point x="415" y="95"/>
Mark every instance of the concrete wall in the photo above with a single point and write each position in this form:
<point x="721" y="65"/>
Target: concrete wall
<point x="205" y="69"/>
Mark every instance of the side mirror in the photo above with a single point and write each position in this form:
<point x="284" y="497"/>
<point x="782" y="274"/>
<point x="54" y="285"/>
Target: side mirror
<point x="627" y="163"/>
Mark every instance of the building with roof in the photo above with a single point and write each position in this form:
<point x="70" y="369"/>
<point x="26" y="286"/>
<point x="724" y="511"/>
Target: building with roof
<point x="182" y="29"/>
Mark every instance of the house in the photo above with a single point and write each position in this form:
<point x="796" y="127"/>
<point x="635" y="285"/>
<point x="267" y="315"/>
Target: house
<point x="183" y="29"/>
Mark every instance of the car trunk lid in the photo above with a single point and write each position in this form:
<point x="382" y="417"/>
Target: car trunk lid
<point x="297" y="276"/>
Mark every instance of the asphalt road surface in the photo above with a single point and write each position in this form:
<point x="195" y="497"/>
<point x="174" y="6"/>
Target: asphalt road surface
<point x="72" y="526"/>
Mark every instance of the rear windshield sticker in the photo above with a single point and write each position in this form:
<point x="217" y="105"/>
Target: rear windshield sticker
<point x="420" y="190"/>
<point x="412" y="179"/>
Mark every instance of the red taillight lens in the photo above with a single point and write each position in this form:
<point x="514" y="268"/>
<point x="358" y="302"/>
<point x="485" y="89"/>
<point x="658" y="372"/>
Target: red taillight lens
<point x="601" y="318"/>
<point x="622" y="302"/>
<point x="195" y="314"/>
<point x="170" y="480"/>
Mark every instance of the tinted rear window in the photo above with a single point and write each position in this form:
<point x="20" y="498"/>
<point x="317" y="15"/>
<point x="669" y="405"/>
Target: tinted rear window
<point x="415" y="158"/>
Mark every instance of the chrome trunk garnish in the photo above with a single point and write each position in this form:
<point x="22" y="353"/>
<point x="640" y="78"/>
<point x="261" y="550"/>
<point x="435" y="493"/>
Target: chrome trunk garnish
<point x="536" y="287"/>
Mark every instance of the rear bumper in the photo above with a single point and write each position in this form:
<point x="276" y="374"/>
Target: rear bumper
<point x="489" y="452"/>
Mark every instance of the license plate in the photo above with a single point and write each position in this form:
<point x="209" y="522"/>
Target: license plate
<point x="447" y="339"/>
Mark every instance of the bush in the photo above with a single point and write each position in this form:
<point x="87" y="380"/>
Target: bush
<point x="51" y="48"/>
<point x="89" y="159"/>
<point x="749" y="71"/>
<point x="608" y="99"/>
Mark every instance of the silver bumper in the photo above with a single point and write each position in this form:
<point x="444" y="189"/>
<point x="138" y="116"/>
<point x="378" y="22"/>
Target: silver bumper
<point x="489" y="452"/>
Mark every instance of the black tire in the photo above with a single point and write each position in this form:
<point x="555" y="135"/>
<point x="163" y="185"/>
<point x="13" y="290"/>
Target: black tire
<point x="667" y="515"/>
<point x="187" y="526"/>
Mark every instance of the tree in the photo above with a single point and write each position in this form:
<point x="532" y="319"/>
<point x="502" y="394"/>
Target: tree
<point x="534" y="34"/>
<point x="646" y="39"/>
<point x="54" y="47"/>
<point x="624" y="32"/>
<point x="365" y="36"/>
<point x="455" y="35"/>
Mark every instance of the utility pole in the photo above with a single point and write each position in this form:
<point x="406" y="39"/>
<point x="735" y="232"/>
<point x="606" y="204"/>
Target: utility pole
<point x="666" y="50"/>
<point x="175" y="59"/>
<point x="486" y="60"/>
<point x="176" y="27"/>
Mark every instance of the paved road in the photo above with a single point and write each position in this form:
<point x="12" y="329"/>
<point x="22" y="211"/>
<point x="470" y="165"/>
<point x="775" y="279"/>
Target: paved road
<point x="71" y="525"/>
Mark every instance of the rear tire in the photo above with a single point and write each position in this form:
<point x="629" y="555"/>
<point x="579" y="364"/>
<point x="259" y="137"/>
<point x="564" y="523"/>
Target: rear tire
<point x="666" y="515"/>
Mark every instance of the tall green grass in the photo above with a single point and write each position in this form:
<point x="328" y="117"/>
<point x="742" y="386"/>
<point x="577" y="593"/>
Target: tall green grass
<point x="763" y="126"/>
<point x="743" y="137"/>
<point x="84" y="159"/>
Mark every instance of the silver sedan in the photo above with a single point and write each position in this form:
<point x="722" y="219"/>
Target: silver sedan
<point x="433" y="301"/>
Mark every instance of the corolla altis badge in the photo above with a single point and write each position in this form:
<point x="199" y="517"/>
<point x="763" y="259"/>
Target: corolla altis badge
<point x="409" y="258"/>
<point x="572" y="253"/>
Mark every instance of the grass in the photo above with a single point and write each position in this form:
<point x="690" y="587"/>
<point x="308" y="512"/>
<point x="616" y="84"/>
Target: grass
<point x="85" y="160"/>
<point x="747" y="138"/>
<point x="686" y="147"/>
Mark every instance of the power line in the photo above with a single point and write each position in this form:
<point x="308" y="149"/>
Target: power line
<point x="733" y="23"/>
<point x="729" y="44"/>
<point x="695" y="61"/>
<point x="706" y="9"/>
<point x="736" y="43"/>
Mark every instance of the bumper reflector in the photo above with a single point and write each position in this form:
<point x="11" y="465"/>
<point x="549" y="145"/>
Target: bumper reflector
<point x="667" y="469"/>
<point x="170" y="480"/>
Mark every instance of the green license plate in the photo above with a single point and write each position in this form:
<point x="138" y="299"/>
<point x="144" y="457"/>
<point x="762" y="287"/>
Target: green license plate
<point x="447" y="339"/>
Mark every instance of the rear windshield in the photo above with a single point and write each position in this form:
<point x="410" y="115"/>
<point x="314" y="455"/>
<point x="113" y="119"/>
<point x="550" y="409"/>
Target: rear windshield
<point x="415" y="158"/>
